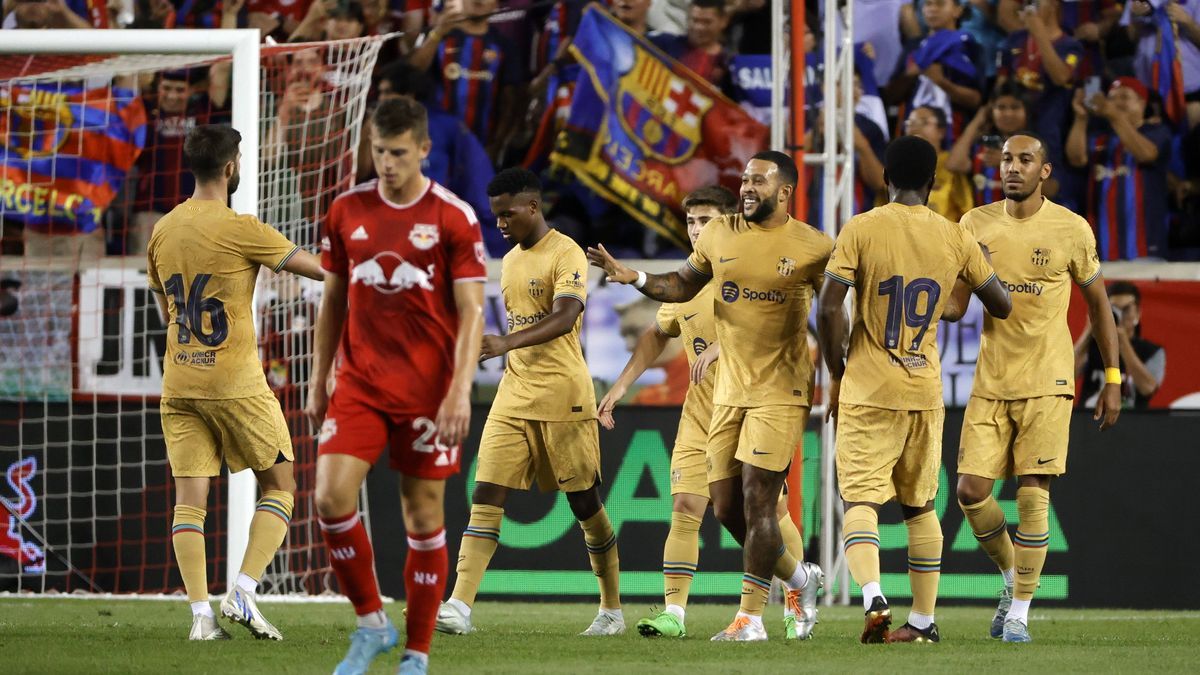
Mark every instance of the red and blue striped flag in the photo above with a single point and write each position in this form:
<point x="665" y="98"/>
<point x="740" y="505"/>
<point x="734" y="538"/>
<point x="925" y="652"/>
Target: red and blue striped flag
<point x="65" y="151"/>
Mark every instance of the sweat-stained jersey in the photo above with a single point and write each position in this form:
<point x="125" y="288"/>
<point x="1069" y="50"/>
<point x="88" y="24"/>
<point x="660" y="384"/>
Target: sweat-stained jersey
<point x="1030" y="353"/>
<point x="204" y="258"/>
<point x="765" y="279"/>
<point x="902" y="262"/>
<point x="693" y="322"/>
<point x="547" y="382"/>
<point x="400" y="263"/>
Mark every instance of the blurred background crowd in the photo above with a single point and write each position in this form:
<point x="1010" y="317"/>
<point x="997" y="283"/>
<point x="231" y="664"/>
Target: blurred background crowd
<point x="1113" y="89"/>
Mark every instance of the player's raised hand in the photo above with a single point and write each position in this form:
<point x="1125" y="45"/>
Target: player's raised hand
<point x="604" y="411"/>
<point x="613" y="269"/>
<point x="703" y="361"/>
<point x="1108" y="406"/>
<point x="454" y="417"/>
<point x="492" y="346"/>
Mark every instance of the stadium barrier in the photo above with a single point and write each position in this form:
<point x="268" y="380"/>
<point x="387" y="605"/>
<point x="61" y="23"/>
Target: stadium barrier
<point x="1108" y="548"/>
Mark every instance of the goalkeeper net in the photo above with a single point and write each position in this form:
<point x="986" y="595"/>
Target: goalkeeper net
<point x="90" y="157"/>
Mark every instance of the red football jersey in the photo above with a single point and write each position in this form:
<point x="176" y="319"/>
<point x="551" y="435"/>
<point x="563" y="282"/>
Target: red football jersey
<point x="401" y="262"/>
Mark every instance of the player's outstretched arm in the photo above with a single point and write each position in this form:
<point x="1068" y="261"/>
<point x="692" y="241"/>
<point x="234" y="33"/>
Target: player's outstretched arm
<point x="1108" y="404"/>
<point x="995" y="297"/>
<point x="454" y="414"/>
<point x="330" y="320"/>
<point x="305" y="264"/>
<point x="558" y="323"/>
<point x="832" y="327"/>
<point x="679" y="286"/>
<point x="649" y="347"/>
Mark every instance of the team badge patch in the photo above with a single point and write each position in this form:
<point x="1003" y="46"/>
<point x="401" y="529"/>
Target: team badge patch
<point x="786" y="266"/>
<point x="537" y="288"/>
<point x="1041" y="257"/>
<point x="424" y="237"/>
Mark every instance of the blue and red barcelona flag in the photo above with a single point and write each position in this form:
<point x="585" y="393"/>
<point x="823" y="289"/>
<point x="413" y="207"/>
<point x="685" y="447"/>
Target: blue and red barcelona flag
<point x="643" y="130"/>
<point x="65" y="151"/>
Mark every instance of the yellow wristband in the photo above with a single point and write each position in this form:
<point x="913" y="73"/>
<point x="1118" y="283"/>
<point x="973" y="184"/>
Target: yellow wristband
<point x="1112" y="376"/>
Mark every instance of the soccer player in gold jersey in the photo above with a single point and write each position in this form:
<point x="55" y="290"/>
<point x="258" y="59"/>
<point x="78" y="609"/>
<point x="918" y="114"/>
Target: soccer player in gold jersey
<point x="766" y="267"/>
<point x="542" y="425"/>
<point x="902" y="259"/>
<point x="1018" y="419"/>
<point x="202" y="262"/>
<point x="694" y="324"/>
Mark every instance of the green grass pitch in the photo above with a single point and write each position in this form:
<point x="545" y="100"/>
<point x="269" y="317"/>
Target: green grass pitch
<point x="119" y="636"/>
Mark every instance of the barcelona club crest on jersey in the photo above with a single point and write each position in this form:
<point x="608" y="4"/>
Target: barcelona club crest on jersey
<point x="424" y="237"/>
<point x="786" y="266"/>
<point x="1041" y="257"/>
<point x="537" y="288"/>
<point x="661" y="112"/>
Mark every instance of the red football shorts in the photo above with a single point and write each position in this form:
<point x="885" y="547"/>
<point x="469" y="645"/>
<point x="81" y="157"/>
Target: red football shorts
<point x="352" y="427"/>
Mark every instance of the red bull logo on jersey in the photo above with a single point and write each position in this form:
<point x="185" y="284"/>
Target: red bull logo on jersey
<point x="424" y="237"/>
<point x="28" y="555"/>
<point x="388" y="273"/>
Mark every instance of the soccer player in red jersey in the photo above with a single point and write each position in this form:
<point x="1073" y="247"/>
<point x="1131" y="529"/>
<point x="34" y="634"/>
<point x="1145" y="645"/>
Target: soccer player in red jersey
<point x="404" y="266"/>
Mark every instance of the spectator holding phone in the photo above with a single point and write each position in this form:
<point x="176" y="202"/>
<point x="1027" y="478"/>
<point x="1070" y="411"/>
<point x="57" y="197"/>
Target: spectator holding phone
<point x="1126" y="157"/>
<point x="1143" y="363"/>
<point x="976" y="153"/>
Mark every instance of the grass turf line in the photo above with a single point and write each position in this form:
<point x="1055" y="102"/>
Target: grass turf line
<point x="94" y="636"/>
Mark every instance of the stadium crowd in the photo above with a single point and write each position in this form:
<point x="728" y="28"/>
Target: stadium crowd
<point x="1114" y="89"/>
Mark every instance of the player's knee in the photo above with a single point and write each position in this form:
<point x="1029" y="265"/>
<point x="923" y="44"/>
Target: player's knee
<point x="424" y="518"/>
<point x="330" y="504"/>
<point x="729" y="515"/>
<point x="972" y="491"/>
<point x="689" y="505"/>
<point x="585" y="504"/>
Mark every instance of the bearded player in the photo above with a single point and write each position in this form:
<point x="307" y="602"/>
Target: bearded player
<point x="202" y="261"/>
<point x="404" y="273"/>
<point x="767" y="267"/>
<point x="1018" y="419"/>
<point x="693" y="322"/>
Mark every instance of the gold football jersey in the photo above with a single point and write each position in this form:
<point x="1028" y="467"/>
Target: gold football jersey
<point x="764" y="280"/>
<point x="693" y="322"/>
<point x="547" y="382"/>
<point x="204" y="258"/>
<point x="1030" y="353"/>
<point x="903" y="262"/>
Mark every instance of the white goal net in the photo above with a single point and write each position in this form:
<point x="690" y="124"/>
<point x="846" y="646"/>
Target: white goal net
<point x="90" y="157"/>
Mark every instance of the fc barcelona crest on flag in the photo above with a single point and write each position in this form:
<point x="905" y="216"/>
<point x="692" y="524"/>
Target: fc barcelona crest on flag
<point x="1041" y="257"/>
<point x="661" y="112"/>
<point x="785" y="267"/>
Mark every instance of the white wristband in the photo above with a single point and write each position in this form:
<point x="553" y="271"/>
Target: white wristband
<point x="641" y="280"/>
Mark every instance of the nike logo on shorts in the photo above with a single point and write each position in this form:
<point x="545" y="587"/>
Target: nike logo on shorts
<point x="565" y="480"/>
<point x="757" y="452"/>
<point x="1045" y="461"/>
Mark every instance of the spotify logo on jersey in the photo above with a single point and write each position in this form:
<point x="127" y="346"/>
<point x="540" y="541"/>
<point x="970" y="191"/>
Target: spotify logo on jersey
<point x="730" y="291"/>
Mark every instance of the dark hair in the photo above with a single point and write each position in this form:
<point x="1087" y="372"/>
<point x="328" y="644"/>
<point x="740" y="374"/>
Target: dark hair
<point x="407" y="80"/>
<point x="1125" y="288"/>
<point x="1037" y="137"/>
<point x="514" y="181"/>
<point x="349" y="10"/>
<point x="398" y="115"/>
<point x="939" y="115"/>
<point x="787" y="168"/>
<point x="909" y="163"/>
<point x="718" y="5"/>
<point x="712" y="195"/>
<point x="209" y="148"/>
